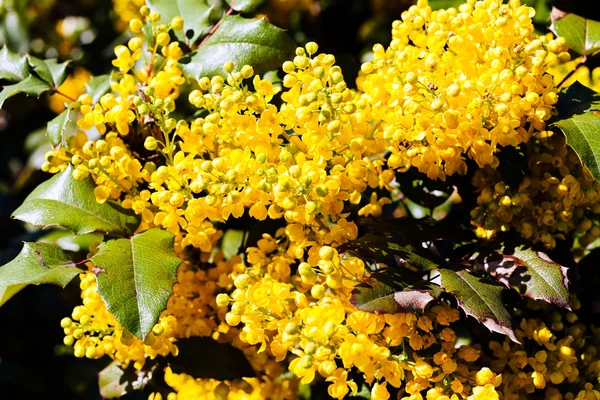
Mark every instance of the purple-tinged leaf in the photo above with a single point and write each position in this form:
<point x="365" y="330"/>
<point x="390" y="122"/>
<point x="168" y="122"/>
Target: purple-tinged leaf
<point x="413" y="300"/>
<point x="374" y="296"/>
<point x="532" y="273"/>
<point x="395" y="291"/>
<point x="479" y="299"/>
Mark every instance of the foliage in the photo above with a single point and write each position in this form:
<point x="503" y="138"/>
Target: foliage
<point x="247" y="221"/>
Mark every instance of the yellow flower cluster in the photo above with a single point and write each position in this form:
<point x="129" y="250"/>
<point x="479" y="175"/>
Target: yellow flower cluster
<point x="125" y="11"/>
<point x="188" y="388"/>
<point x="93" y="331"/>
<point x="453" y="84"/>
<point x="456" y="83"/>
<point x="558" y="352"/>
<point x="557" y="196"/>
<point x="191" y="311"/>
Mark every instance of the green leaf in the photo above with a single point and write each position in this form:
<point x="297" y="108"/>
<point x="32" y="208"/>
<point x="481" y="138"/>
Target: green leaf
<point x="532" y="273"/>
<point x="374" y="296"/>
<point x="582" y="35"/>
<point x="68" y="241"/>
<point x="480" y="299"/>
<point x="583" y="135"/>
<point x="30" y="85"/>
<point x="49" y="71"/>
<point x="245" y="6"/>
<point x="136" y="277"/>
<point x="36" y="264"/>
<point x="195" y="14"/>
<point x="13" y="67"/>
<point x="542" y="11"/>
<point x="114" y="381"/>
<point x="244" y="41"/>
<point x="232" y="242"/>
<point x="70" y="203"/>
<point x="14" y="26"/>
<point x="390" y="251"/>
<point x="444" y="4"/>
<point x="57" y="126"/>
<point x="97" y="87"/>
<point x="58" y="71"/>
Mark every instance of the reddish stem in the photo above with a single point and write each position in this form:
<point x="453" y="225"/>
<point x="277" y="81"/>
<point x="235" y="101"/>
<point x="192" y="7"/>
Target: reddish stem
<point x="65" y="95"/>
<point x="214" y="28"/>
<point x="150" y="66"/>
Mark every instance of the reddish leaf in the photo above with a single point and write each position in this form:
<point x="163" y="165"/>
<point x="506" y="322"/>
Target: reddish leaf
<point x="479" y="299"/>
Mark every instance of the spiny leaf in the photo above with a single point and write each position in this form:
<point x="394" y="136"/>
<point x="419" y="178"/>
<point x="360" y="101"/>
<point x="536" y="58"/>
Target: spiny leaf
<point x="114" y="381"/>
<point x="70" y="203"/>
<point x="244" y="41"/>
<point x="136" y="278"/>
<point x="57" y="126"/>
<point x="97" y="87"/>
<point x="532" y="273"/>
<point x="391" y="291"/>
<point x="245" y="6"/>
<point x="13" y="67"/>
<point x="480" y="299"/>
<point x="36" y="264"/>
<point x="30" y="85"/>
<point x="49" y="71"/>
<point x="195" y="14"/>
<point x="374" y="296"/>
<point x="413" y="300"/>
<point x="583" y="135"/>
<point x="582" y="35"/>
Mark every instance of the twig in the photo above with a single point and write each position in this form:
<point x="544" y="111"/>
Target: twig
<point x="214" y="28"/>
<point x="65" y="95"/>
<point x="570" y="74"/>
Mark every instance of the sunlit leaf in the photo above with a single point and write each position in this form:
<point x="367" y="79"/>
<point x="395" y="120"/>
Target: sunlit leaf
<point x="36" y="264"/>
<point x="136" y="277"/>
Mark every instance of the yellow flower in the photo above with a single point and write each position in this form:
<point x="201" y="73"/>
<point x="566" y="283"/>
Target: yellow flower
<point x="380" y="392"/>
